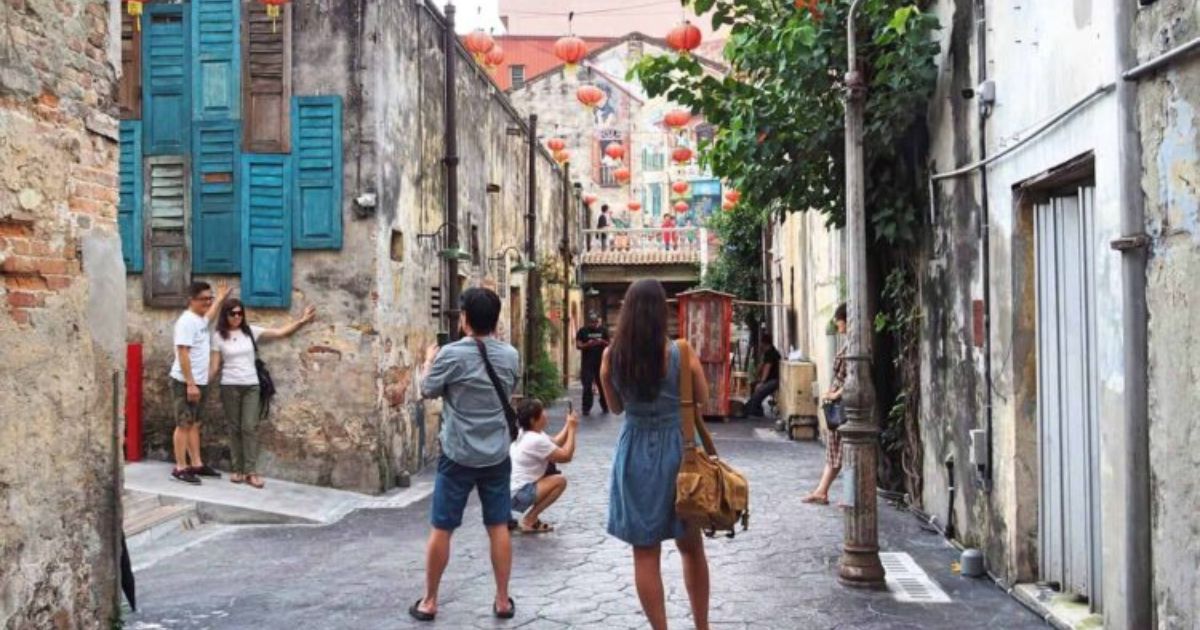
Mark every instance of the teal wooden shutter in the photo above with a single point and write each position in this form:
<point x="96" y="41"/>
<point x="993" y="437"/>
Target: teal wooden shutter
<point x="165" y="80"/>
<point x="167" y="206"/>
<point x="266" y="231"/>
<point x="216" y="67"/>
<point x="129" y="205"/>
<point x="317" y="169"/>
<point x="216" y="224"/>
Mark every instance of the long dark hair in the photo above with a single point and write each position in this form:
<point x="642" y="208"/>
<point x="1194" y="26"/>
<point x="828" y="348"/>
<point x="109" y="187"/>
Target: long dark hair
<point x="636" y="357"/>
<point x="223" y="321"/>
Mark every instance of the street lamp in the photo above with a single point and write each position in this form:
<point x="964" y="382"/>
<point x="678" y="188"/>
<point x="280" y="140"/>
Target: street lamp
<point x="859" y="565"/>
<point x="451" y="252"/>
<point x="522" y="265"/>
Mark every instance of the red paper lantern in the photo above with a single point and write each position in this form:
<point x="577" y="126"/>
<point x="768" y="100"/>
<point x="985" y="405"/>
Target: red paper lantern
<point x="589" y="199"/>
<point x="479" y="43"/>
<point x="562" y="156"/>
<point x="677" y="118"/>
<point x="570" y="50"/>
<point x="728" y="205"/>
<point x="684" y="38"/>
<point x="556" y="144"/>
<point x="811" y="7"/>
<point x="681" y="207"/>
<point x="615" y="151"/>
<point x="681" y="155"/>
<point x="590" y="95"/>
<point x="634" y="206"/>
<point x="621" y="174"/>
<point x="680" y="187"/>
<point x="733" y="195"/>
<point x="494" y="57"/>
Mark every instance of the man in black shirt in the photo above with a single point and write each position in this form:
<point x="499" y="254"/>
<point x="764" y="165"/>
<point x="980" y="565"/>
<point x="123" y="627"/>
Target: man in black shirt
<point x="591" y="341"/>
<point x="604" y="223"/>
<point x="767" y="379"/>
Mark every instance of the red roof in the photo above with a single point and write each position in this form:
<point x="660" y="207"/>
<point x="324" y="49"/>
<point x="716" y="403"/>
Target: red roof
<point x="535" y="53"/>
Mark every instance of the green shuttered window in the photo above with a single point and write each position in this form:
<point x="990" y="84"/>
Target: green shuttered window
<point x="216" y="67"/>
<point x="167" y="212"/>
<point x="266" y="231"/>
<point x="165" y="60"/>
<point x="317" y="172"/>
<point x="129" y="205"/>
<point x="216" y="223"/>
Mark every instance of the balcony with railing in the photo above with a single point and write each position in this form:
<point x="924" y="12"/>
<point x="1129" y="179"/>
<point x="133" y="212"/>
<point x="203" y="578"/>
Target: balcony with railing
<point x="646" y="246"/>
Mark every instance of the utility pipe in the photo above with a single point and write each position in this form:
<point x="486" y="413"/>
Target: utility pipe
<point x="1161" y="61"/>
<point x="564" y="248"/>
<point x="449" y="41"/>
<point x="1134" y="572"/>
<point x="531" y="283"/>
<point x="985" y="228"/>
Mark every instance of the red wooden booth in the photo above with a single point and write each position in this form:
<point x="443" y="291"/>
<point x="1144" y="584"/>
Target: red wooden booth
<point x="706" y="322"/>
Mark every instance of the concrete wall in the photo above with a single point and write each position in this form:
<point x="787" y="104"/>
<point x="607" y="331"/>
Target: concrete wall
<point x="348" y="414"/>
<point x="1168" y="103"/>
<point x="1043" y="57"/>
<point x="61" y="319"/>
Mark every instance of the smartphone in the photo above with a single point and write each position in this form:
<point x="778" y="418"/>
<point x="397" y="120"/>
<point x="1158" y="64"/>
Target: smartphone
<point x="570" y="407"/>
<point x="443" y="339"/>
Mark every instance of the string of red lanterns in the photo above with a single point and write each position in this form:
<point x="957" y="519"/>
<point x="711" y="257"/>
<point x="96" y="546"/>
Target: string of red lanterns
<point x="677" y="118"/>
<point x="556" y="144"/>
<point x="570" y="50"/>
<point x="622" y="175"/>
<point x="590" y="95"/>
<point x="681" y="207"/>
<point x="494" y="57"/>
<point x="479" y="43"/>
<point x="615" y="151"/>
<point x="680" y="187"/>
<point x="684" y="38"/>
<point x="681" y="155"/>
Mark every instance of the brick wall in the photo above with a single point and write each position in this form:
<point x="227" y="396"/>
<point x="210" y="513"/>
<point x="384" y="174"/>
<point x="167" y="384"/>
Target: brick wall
<point x="57" y="427"/>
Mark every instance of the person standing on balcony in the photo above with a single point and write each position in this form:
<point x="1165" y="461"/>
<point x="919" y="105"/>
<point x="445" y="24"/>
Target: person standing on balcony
<point x="669" y="236"/>
<point x="603" y="224"/>
<point x="591" y="340"/>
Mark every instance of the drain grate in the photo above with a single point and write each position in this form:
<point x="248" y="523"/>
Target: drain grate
<point x="908" y="582"/>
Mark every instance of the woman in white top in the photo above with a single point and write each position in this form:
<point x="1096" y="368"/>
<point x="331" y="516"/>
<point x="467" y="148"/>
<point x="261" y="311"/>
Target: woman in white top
<point x="533" y="490"/>
<point x="233" y="354"/>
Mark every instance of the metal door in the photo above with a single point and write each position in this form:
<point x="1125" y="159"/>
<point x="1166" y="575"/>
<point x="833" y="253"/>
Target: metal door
<point x="1068" y="427"/>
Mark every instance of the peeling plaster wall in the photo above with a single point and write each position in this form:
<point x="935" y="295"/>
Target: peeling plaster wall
<point x="1043" y="57"/>
<point x="1168" y="102"/>
<point x="348" y="414"/>
<point x="61" y="347"/>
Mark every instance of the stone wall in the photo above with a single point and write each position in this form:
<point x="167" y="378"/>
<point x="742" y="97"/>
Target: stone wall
<point x="1168" y="101"/>
<point x="347" y="414"/>
<point x="61" y="316"/>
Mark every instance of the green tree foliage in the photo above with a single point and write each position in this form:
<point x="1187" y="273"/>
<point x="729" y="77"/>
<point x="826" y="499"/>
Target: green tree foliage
<point x="738" y="270"/>
<point x="545" y="381"/>
<point x="779" y="112"/>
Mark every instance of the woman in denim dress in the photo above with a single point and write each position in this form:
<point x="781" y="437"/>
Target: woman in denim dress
<point x="640" y="373"/>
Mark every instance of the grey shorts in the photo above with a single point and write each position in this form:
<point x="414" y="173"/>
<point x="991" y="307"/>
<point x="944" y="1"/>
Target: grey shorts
<point x="186" y="413"/>
<point x="524" y="497"/>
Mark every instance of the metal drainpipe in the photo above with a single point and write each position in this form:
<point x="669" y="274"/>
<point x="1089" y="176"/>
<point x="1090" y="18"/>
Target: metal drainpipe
<point x="451" y="161"/>
<point x="531" y="284"/>
<point x="565" y="251"/>
<point x="985" y="228"/>
<point x="1137" y="572"/>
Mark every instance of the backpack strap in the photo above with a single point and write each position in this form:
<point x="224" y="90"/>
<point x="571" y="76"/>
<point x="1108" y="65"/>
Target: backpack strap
<point x="689" y="410"/>
<point x="510" y="415"/>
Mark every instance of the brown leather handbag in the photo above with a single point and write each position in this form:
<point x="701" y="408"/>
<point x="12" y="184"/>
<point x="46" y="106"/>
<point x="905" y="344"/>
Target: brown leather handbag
<point x="708" y="492"/>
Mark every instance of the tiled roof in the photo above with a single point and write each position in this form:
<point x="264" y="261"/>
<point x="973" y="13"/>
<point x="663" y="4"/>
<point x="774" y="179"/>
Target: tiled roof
<point x="644" y="257"/>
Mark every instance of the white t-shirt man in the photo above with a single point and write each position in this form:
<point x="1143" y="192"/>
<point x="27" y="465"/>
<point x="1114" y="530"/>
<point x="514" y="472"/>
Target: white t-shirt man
<point x="530" y="455"/>
<point x="237" y="356"/>
<point x="191" y="330"/>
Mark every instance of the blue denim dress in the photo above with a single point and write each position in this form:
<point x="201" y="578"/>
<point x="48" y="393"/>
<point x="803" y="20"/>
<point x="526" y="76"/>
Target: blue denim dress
<point x="641" y="501"/>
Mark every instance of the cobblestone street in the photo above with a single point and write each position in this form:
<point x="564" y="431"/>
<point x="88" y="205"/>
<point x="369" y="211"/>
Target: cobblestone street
<point x="366" y="570"/>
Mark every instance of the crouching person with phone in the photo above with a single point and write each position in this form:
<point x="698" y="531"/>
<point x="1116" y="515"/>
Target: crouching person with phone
<point x="475" y="377"/>
<point x="536" y="484"/>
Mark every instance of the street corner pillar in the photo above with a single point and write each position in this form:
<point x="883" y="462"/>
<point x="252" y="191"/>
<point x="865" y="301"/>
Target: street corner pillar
<point x="859" y="566"/>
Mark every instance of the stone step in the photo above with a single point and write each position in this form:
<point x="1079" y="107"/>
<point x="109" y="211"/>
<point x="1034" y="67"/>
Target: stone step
<point x="135" y="503"/>
<point x="175" y="515"/>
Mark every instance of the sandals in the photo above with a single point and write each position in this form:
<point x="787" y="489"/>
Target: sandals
<point x="508" y="614"/>
<point x="255" y="481"/>
<point x="814" y="499"/>
<point x="415" y="612"/>
<point x="539" y="527"/>
<point x="237" y="478"/>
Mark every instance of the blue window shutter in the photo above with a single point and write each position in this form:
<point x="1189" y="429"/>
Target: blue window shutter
<point x="165" y="109"/>
<point x="216" y="66"/>
<point x="216" y="220"/>
<point x="266" y="231"/>
<point x="317" y="169"/>
<point x="129" y="207"/>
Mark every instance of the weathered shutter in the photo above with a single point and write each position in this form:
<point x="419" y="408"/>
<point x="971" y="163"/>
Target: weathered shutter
<point x="216" y="226"/>
<point x="129" y="205"/>
<point x="317" y="164"/>
<point x="167" y="206"/>
<point x="216" y="71"/>
<point x="129" y="92"/>
<point x="267" y="77"/>
<point x="165" y="79"/>
<point x="266" y="231"/>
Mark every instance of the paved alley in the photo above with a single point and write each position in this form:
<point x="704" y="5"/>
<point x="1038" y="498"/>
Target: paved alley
<point x="364" y="571"/>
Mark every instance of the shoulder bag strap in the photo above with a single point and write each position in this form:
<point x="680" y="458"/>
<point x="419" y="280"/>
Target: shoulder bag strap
<point x="510" y="415"/>
<point x="689" y="410"/>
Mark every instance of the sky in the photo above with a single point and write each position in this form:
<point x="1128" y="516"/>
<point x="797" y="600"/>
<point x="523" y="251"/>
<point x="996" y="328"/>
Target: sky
<point x="472" y="14"/>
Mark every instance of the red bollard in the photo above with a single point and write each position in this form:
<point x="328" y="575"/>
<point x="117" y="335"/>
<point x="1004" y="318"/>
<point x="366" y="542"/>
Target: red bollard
<point x="133" y="402"/>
